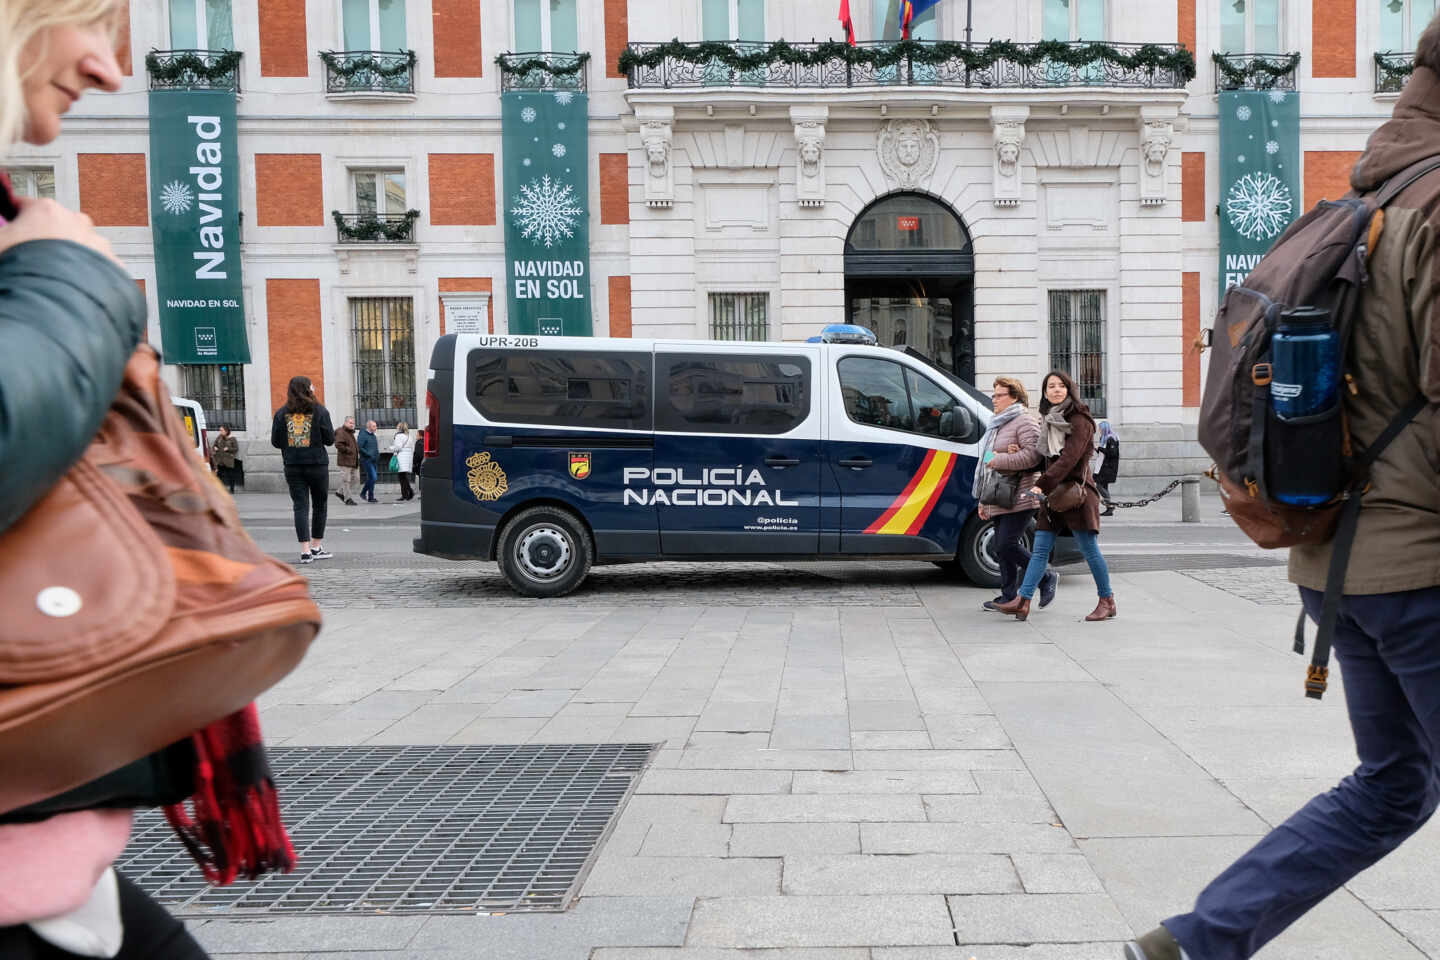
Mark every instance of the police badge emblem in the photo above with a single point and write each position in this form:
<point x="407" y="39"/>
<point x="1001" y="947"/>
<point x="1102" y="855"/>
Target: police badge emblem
<point x="579" y="465"/>
<point x="487" y="481"/>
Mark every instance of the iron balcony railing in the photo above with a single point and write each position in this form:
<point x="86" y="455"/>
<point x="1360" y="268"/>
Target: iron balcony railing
<point x="193" y="69"/>
<point x="376" y="227"/>
<point x="369" y="71"/>
<point x="943" y="64"/>
<point x="1392" y="71"/>
<point x="543" y="70"/>
<point x="1255" y="71"/>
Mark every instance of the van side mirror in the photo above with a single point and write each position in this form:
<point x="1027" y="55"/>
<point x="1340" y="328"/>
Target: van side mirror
<point x="960" y="425"/>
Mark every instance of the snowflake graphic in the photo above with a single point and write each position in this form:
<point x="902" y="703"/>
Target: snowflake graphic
<point x="1258" y="206"/>
<point x="1278" y="96"/>
<point x="1240" y="159"/>
<point x="560" y="125"/>
<point x="1242" y="112"/>
<point x="564" y="97"/>
<point x="546" y="210"/>
<point x="526" y="161"/>
<point x="176" y="197"/>
<point x="528" y="114"/>
<point x="558" y="150"/>
<point x="1272" y="147"/>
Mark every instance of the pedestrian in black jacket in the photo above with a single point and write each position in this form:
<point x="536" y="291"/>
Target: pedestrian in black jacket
<point x="301" y="431"/>
<point x="1106" y="465"/>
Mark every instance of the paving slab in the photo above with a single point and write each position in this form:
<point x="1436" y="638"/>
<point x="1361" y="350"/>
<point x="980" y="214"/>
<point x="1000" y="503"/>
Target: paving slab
<point x="591" y="922"/>
<point x="820" y="922"/>
<point x="992" y="951"/>
<point x="937" y="760"/>
<point x="964" y="838"/>
<point x="1056" y="873"/>
<point x="1031" y="918"/>
<point x="890" y="740"/>
<point x="951" y="731"/>
<point x="737" y="715"/>
<point x="795" y="731"/>
<point x="724" y="782"/>
<point x="781" y="839"/>
<point x="687" y="840"/>
<point x="984" y="808"/>
<point x="722" y="953"/>
<point x="683" y="876"/>
<point x="884" y="781"/>
<point x="812" y="808"/>
<point x="305" y="934"/>
<point x="882" y="874"/>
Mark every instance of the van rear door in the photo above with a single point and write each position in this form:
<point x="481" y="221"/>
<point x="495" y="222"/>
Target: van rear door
<point x="737" y="449"/>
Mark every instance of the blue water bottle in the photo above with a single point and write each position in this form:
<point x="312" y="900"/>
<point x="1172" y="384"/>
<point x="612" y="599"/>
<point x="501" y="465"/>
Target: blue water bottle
<point x="1305" y="363"/>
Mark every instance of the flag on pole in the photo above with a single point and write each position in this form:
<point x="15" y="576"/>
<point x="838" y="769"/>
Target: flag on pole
<point x="909" y="10"/>
<point x="846" y="22"/>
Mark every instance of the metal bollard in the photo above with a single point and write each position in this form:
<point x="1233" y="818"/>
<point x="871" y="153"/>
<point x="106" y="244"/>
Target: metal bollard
<point x="1190" y="500"/>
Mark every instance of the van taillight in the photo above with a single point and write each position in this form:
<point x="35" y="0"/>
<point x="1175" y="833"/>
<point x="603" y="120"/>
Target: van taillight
<point x="205" y="443"/>
<point x="432" y="425"/>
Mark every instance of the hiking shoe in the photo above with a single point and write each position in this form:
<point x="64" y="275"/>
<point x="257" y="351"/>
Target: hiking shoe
<point x="339" y="496"/>
<point x="1155" y="945"/>
<point x="305" y="558"/>
<point x="320" y="553"/>
<point x="351" y="503"/>
<point x="994" y="605"/>
<point x="1048" y="584"/>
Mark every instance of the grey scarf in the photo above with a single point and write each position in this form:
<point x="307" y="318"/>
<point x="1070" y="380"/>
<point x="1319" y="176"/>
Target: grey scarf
<point x="988" y="443"/>
<point x="1057" y="428"/>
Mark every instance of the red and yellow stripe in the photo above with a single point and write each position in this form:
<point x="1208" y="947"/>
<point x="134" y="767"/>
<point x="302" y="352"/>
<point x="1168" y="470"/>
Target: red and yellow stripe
<point x="908" y="513"/>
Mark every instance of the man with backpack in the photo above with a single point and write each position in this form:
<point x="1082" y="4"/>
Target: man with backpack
<point x="1382" y="612"/>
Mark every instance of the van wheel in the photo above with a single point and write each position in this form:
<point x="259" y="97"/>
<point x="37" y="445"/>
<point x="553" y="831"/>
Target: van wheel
<point x="976" y="558"/>
<point x="544" y="552"/>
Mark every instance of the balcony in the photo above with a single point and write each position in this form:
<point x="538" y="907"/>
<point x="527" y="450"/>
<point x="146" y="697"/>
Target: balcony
<point x="543" y="70"/>
<point x="369" y="74"/>
<point x="193" y="69"/>
<point x="1392" y="70"/>
<point x="839" y="66"/>
<point x="375" y="227"/>
<point x="1255" y="71"/>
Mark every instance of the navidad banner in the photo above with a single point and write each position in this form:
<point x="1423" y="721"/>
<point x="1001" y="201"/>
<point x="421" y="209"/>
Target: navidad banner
<point x="195" y="224"/>
<point x="1259" y="176"/>
<point x="547" y="211"/>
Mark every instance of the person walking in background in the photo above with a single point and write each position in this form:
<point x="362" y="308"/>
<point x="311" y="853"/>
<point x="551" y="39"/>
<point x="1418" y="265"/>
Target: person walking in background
<point x="222" y="456"/>
<point x="1069" y="432"/>
<point x="403" y="454"/>
<point x="301" y="431"/>
<point x="418" y="460"/>
<point x="369" y="461"/>
<point x="1106" y="464"/>
<point x="1389" y="613"/>
<point x="1011" y="448"/>
<point x="347" y="458"/>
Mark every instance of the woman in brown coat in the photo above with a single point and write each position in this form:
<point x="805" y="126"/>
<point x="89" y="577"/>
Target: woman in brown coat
<point x="1067" y="432"/>
<point x="222" y="456"/>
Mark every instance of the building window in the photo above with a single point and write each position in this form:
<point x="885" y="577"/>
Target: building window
<point x="383" y="331"/>
<point x="219" y="388"/>
<point x="200" y="25"/>
<point x="1250" y="26"/>
<point x="732" y="20"/>
<point x="1077" y="342"/>
<point x="34" y="182"/>
<point x="546" y="25"/>
<point x="379" y="191"/>
<point x="374" y="25"/>
<point x="1074" y="20"/>
<point x="739" y="316"/>
<point x="1402" y="22"/>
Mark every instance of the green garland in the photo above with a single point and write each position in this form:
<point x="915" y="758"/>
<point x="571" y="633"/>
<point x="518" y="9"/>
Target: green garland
<point x="1392" y="70"/>
<point x="1255" y="73"/>
<point x="1150" y="56"/>
<point x="347" y="67"/>
<point x="219" y="67"/>
<point x="372" y="228"/>
<point x="508" y="65"/>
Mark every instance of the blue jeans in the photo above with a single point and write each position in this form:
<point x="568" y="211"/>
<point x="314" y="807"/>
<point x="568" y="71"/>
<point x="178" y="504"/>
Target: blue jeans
<point x="367" y="489"/>
<point x="1390" y="662"/>
<point x="1040" y="559"/>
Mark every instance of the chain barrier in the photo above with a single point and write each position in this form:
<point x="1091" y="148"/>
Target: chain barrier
<point x="1116" y="504"/>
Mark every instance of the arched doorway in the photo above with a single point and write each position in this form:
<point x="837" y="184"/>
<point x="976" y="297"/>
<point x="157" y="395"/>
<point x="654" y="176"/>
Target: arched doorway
<point x="910" y="277"/>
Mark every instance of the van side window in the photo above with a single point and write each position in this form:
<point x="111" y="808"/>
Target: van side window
<point x="874" y="392"/>
<point x="932" y="403"/>
<point x="561" y="388"/>
<point x="731" y="393"/>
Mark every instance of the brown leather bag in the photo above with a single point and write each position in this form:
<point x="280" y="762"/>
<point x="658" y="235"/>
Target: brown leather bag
<point x="137" y="609"/>
<point x="1069" y="494"/>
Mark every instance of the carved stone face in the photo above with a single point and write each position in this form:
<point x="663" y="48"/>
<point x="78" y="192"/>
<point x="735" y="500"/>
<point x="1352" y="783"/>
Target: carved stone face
<point x="907" y="148"/>
<point x="1009" y="153"/>
<point x="1155" y="150"/>
<point x="657" y="153"/>
<point x="810" y="155"/>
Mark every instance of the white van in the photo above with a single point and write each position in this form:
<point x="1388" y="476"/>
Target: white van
<point x="193" y="417"/>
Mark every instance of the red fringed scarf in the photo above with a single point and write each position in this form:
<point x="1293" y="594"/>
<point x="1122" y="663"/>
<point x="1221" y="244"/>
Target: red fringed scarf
<point x="236" y="828"/>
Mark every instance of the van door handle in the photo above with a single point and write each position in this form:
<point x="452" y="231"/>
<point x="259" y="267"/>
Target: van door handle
<point x="781" y="462"/>
<point x="857" y="463"/>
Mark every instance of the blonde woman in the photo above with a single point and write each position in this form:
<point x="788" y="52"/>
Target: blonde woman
<point x="403" y="447"/>
<point x="69" y="322"/>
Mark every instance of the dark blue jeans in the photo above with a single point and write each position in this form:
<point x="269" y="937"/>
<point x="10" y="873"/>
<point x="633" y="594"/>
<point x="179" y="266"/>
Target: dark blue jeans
<point x="1010" y="550"/>
<point x="370" y="474"/>
<point x="1388" y="646"/>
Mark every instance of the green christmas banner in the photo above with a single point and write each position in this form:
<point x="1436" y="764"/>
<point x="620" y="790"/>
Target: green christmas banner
<point x="547" y="211"/>
<point x="195" y="224"/>
<point x="1259" y="176"/>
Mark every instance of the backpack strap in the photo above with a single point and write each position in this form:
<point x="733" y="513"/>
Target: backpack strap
<point x="1319" y="672"/>
<point x="1391" y="188"/>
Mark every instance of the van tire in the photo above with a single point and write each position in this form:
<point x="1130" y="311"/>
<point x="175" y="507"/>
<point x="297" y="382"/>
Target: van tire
<point x="975" y="558"/>
<point x="544" y="552"/>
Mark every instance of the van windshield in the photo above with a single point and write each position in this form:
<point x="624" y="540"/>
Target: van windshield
<point x="187" y="417"/>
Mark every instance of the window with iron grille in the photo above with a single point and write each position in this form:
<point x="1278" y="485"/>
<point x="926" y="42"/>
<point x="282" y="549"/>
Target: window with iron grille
<point x="219" y="388"/>
<point x="33" y="182"/>
<point x="1077" y="342"/>
<point x="383" y="334"/>
<point x="739" y="316"/>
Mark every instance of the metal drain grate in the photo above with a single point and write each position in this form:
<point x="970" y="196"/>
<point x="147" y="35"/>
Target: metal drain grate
<point x="416" y="830"/>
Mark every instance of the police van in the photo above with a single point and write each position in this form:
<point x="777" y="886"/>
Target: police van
<point x="550" y="454"/>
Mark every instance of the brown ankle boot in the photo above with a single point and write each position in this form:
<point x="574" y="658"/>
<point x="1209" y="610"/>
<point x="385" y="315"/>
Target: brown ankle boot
<point x="1019" y="608"/>
<point x="1104" y="610"/>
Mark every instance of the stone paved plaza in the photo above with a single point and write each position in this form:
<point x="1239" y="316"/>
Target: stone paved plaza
<point x="874" y="770"/>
